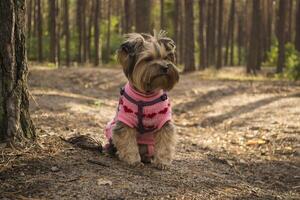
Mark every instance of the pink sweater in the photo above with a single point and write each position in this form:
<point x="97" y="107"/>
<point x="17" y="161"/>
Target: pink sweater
<point x="155" y="112"/>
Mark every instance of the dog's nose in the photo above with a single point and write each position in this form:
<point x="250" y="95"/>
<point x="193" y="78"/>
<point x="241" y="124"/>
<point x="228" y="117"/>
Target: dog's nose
<point x="164" y="69"/>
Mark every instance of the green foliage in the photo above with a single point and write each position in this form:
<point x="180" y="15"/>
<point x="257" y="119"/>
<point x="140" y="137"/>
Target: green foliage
<point x="292" y="61"/>
<point x="272" y="55"/>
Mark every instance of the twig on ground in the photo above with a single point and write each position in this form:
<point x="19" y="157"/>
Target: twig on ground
<point x="98" y="163"/>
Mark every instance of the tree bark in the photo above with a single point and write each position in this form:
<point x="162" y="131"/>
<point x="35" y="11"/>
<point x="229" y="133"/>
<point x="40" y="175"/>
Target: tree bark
<point x="176" y="23"/>
<point x="220" y="34"/>
<point x="232" y="33"/>
<point x="202" y="57"/>
<point x="67" y="31"/>
<point x="281" y="36"/>
<point x="127" y="15"/>
<point x="143" y="16"/>
<point x="189" y="58"/>
<point x="79" y="30"/>
<point x="97" y="32"/>
<point x="15" y="121"/>
<point x="52" y="30"/>
<point x="252" y="59"/>
<point x="107" y="56"/>
<point x="297" y="38"/>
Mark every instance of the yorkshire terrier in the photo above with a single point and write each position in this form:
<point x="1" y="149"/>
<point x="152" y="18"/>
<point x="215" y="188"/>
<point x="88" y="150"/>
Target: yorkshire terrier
<point x="142" y="130"/>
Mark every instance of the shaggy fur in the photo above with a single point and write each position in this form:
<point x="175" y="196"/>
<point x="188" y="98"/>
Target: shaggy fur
<point x="149" y="65"/>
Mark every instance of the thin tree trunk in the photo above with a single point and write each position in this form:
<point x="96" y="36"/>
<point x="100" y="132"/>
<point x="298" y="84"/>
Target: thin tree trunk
<point x="52" y="30"/>
<point x="281" y="36"/>
<point x="232" y="33"/>
<point x="79" y="30"/>
<point x="84" y="29"/>
<point x="97" y="32"/>
<point x="220" y="34"/>
<point x="127" y="15"/>
<point x="89" y="35"/>
<point x="297" y="38"/>
<point x="202" y="57"/>
<point x="15" y="121"/>
<point x="162" y="12"/>
<point x="67" y="31"/>
<point x="182" y="32"/>
<point x="189" y="58"/>
<point x="176" y="27"/>
<point x="143" y="16"/>
<point x="209" y="32"/>
<point x="40" y="30"/>
<point x="213" y="33"/>
<point x="58" y="26"/>
<point x="107" y="56"/>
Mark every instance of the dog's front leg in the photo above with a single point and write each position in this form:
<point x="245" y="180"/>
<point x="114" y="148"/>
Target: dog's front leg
<point x="165" y="144"/>
<point x="124" y="139"/>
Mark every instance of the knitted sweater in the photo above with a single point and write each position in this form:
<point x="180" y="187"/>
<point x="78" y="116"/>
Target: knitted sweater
<point x="147" y="119"/>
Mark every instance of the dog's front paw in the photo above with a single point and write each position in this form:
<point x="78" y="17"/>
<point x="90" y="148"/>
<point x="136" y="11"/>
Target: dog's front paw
<point x="159" y="164"/>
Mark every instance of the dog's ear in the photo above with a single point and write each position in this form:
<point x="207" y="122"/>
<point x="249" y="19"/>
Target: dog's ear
<point x="127" y="53"/>
<point x="170" y="48"/>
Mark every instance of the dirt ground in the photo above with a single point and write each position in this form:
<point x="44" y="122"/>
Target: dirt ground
<point x="239" y="139"/>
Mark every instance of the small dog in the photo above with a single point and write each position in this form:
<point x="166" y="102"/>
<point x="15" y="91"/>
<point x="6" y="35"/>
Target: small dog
<point x="142" y="130"/>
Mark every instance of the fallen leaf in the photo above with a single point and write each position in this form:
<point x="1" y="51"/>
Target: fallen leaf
<point x="256" y="142"/>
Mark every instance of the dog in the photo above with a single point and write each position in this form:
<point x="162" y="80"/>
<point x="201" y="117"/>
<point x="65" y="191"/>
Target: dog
<point x="142" y="130"/>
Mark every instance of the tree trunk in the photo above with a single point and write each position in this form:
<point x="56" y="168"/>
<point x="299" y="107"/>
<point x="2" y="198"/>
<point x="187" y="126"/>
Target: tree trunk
<point x="297" y="38"/>
<point x="176" y="27"/>
<point x="79" y="30"/>
<point x="15" y="121"/>
<point x="232" y="16"/>
<point x="40" y="30"/>
<point x="213" y="33"/>
<point x="290" y="21"/>
<point x="281" y="36"/>
<point x="52" y="30"/>
<point x="67" y="31"/>
<point x="127" y="15"/>
<point x="181" y="33"/>
<point x="89" y="35"/>
<point x="97" y="32"/>
<point x="143" y="16"/>
<point x="84" y="29"/>
<point x="107" y="56"/>
<point x="209" y="32"/>
<point x="58" y="26"/>
<point x="252" y="60"/>
<point x="189" y="59"/>
<point x="220" y="35"/>
<point x="162" y="12"/>
<point x="202" y="57"/>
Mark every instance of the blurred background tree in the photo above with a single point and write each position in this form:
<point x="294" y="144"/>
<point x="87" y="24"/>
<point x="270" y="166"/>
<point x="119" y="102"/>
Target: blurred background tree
<point x="208" y="33"/>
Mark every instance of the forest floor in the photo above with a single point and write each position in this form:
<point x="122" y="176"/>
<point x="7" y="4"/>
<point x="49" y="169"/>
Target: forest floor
<point x="239" y="138"/>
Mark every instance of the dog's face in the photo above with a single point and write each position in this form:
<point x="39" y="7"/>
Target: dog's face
<point x="149" y="61"/>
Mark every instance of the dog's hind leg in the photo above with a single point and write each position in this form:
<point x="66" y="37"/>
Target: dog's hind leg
<point x="165" y="144"/>
<point x="124" y="139"/>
